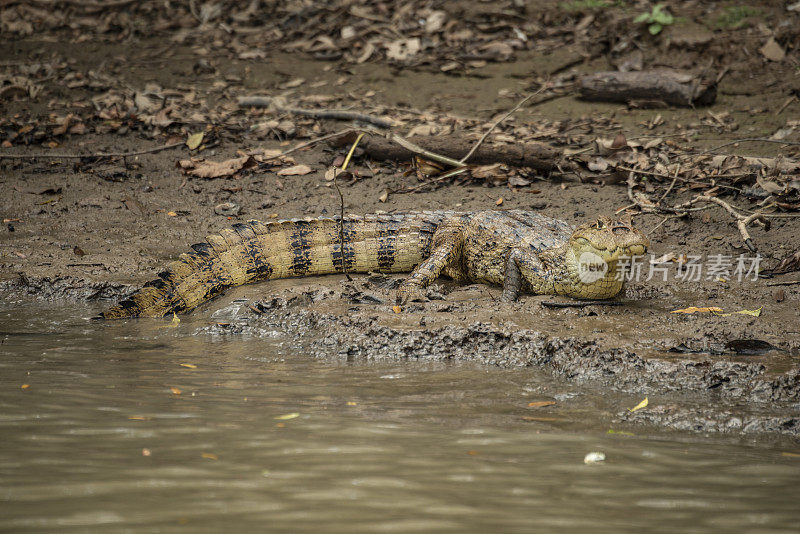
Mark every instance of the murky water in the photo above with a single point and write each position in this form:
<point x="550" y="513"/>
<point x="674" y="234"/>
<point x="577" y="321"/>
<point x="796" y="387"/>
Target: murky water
<point x="132" y="427"/>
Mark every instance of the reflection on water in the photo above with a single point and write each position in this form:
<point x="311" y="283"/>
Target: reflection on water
<point x="131" y="426"/>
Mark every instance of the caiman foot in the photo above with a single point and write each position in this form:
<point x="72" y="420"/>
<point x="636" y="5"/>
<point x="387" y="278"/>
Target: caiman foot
<point x="410" y="292"/>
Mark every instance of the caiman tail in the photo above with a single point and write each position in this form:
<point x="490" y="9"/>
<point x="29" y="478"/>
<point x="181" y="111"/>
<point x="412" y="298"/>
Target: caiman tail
<point x="256" y="251"/>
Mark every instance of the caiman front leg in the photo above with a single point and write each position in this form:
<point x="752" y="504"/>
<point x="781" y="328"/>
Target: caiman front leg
<point x="447" y="250"/>
<point x="520" y="264"/>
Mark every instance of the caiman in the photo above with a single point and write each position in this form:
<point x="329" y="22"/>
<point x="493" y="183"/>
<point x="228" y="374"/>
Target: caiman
<point x="521" y="251"/>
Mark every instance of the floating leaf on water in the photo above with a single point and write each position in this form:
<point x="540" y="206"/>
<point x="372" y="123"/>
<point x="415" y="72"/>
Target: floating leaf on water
<point x="139" y="418"/>
<point x="594" y="457"/>
<point x="540" y="404"/>
<point x="189" y="365"/>
<point x="639" y="406"/>
<point x="351" y="403"/>
<point x="209" y="456"/>
<point x="175" y="391"/>
<point x="25" y="386"/>
<point x="287" y="416"/>
<point x="791" y="454"/>
<point x="146" y="452"/>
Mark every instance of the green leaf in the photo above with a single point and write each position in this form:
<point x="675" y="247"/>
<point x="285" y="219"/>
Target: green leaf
<point x="655" y="29"/>
<point x="644" y="17"/>
<point x="663" y="18"/>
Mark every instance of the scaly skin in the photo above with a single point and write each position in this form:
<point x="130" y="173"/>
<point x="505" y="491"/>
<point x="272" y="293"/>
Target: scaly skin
<point x="519" y="250"/>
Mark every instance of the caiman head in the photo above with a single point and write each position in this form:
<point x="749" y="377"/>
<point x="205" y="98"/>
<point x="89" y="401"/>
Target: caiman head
<point x="610" y="239"/>
<point x="594" y="251"/>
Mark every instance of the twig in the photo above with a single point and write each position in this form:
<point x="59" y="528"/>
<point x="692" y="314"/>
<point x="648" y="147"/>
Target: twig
<point x="745" y="140"/>
<point x="741" y="221"/>
<point x="675" y="179"/>
<point x="81" y="156"/>
<point x="497" y="123"/>
<point x="580" y="303"/>
<point x="440" y="178"/>
<point x="665" y="219"/>
<point x="686" y="180"/>
<point x="786" y="283"/>
<point x="312" y="142"/>
<point x="408" y="145"/>
<point x="337" y="114"/>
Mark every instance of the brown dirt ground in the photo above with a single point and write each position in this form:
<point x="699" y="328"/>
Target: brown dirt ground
<point x="128" y="218"/>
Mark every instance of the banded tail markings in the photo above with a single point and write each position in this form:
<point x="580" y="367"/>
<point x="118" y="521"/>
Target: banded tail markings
<point x="387" y="236"/>
<point x="243" y="239"/>
<point x="255" y="251"/>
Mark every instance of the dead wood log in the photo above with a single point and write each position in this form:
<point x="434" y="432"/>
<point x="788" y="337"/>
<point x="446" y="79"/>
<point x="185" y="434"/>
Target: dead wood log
<point x="649" y="87"/>
<point x="538" y="156"/>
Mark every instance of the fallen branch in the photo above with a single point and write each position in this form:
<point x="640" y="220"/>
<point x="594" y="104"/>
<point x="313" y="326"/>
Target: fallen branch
<point x="448" y="149"/>
<point x="654" y="86"/>
<point x="81" y="156"/>
<point x="336" y="114"/>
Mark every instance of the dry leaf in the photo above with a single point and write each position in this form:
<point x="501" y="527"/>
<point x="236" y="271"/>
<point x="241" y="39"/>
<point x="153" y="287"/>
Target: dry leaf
<point x="754" y="313"/>
<point x="288" y="416"/>
<point x="209" y="456"/>
<point x="694" y="309"/>
<point x="772" y="50"/>
<point x="189" y="365"/>
<point x="639" y="406"/>
<point x="402" y="49"/>
<point x="175" y="391"/>
<point x="195" y="140"/>
<point x="297" y="170"/>
<point x="214" y="169"/>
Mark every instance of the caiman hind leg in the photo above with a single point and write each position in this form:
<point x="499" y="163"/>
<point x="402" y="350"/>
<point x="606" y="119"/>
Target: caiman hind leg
<point x="521" y="264"/>
<point x="448" y="247"/>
